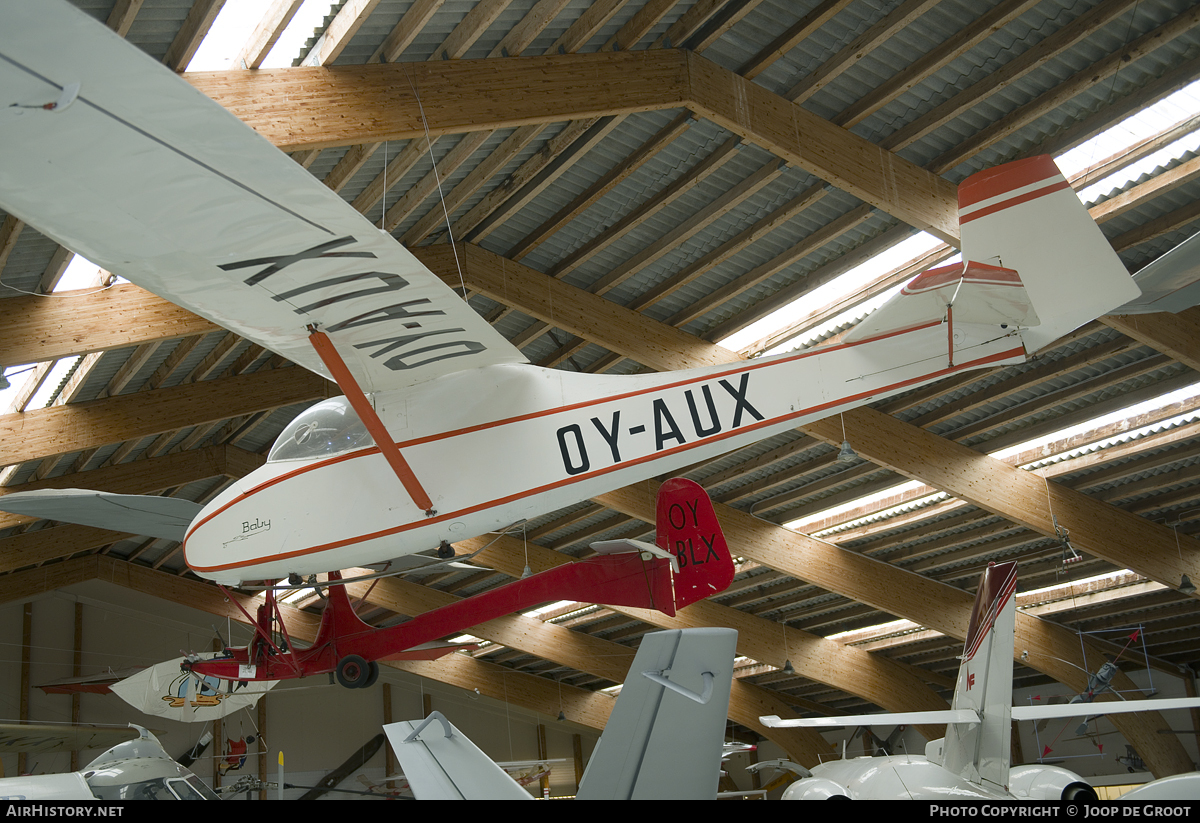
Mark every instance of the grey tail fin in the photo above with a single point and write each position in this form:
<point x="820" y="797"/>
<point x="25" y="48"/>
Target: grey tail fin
<point x="664" y="737"/>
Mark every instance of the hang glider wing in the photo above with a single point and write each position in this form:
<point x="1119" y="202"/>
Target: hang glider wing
<point x="149" y="515"/>
<point x="164" y="690"/>
<point x="89" y="684"/>
<point x="116" y="158"/>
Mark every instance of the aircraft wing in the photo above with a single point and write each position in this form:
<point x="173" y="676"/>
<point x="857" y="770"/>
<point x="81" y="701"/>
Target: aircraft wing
<point x="968" y="716"/>
<point x="1161" y="704"/>
<point x="886" y="719"/>
<point x="38" y="738"/>
<point x="123" y="162"/>
<point x="151" y="515"/>
<point x="1169" y="284"/>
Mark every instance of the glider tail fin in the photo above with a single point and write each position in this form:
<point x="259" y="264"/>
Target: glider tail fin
<point x="981" y="752"/>
<point x="1026" y="217"/>
<point x="663" y="738"/>
<point x="687" y="527"/>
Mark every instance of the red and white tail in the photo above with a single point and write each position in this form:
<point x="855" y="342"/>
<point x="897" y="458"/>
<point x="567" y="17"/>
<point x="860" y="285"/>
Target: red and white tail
<point x="687" y="527"/>
<point x="1033" y="260"/>
<point x="1025" y="216"/>
<point x="980" y="752"/>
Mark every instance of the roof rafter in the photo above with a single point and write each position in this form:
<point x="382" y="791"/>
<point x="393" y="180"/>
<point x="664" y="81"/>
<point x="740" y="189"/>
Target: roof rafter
<point x="879" y="680"/>
<point x="81" y="322"/>
<point x="325" y="107"/>
<point x="582" y="651"/>
<point x="63" y="429"/>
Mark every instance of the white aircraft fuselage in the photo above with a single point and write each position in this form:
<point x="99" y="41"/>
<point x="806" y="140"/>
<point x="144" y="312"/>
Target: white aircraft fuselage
<point x="496" y="445"/>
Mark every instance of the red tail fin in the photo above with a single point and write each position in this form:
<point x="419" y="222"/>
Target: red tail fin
<point x="688" y="529"/>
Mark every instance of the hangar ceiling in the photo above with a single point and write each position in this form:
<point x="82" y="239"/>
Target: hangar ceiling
<point x="627" y="184"/>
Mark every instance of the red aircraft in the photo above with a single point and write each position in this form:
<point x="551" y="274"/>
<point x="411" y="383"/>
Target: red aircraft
<point x="690" y="562"/>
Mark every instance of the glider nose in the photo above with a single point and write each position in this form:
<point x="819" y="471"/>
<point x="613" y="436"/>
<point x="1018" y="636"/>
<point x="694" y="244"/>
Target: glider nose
<point x="210" y="546"/>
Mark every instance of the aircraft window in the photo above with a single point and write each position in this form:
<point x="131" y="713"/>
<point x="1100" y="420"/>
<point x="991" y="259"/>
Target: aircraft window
<point x="326" y="429"/>
<point x="184" y="790"/>
<point x="155" y="789"/>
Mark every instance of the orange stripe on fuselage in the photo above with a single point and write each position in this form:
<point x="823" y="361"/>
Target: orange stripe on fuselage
<point x="575" y="479"/>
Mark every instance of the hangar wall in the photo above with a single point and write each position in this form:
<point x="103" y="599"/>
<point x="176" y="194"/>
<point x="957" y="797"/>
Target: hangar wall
<point x="317" y="725"/>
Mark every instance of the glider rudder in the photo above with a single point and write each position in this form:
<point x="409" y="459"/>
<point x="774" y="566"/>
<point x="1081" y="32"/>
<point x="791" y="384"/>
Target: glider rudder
<point x="1025" y="216"/>
<point x="687" y="527"/>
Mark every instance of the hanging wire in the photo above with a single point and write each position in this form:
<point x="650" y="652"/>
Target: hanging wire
<point x="438" y="179"/>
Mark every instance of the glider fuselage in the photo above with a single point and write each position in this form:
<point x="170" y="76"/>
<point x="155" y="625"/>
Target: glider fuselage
<point x="499" y="444"/>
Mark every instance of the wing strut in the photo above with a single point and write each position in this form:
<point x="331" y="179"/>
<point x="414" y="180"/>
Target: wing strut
<point x="366" y="412"/>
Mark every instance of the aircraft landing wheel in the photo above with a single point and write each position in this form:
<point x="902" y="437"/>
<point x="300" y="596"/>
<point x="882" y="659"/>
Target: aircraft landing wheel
<point x="353" y="672"/>
<point x="372" y="675"/>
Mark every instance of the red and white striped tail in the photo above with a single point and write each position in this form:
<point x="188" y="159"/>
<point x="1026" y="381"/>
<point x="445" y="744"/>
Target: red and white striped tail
<point x="980" y="752"/>
<point x="1025" y="216"/>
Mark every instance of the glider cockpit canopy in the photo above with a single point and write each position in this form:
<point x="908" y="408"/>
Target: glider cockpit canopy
<point x="329" y="428"/>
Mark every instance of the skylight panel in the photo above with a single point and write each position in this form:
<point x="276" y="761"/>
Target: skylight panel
<point x="1152" y="121"/>
<point x="310" y="17"/>
<point x="1188" y="143"/>
<point x="228" y="33"/>
<point x="550" y="607"/>
<point x="853" y="280"/>
<point x="1128" y="413"/>
<point x="236" y="24"/>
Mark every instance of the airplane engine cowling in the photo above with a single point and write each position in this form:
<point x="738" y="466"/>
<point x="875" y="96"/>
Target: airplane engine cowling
<point x="815" y="788"/>
<point x="1034" y="782"/>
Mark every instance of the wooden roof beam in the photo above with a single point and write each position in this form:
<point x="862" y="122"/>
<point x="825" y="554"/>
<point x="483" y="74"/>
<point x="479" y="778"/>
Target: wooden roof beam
<point x="325" y="107"/>
<point x="266" y="34"/>
<point x="120" y="19"/>
<point x="585" y="315"/>
<point x="1051" y="648"/>
<point x="899" y="18"/>
<point x="582" y="651"/>
<point x="879" y="680"/>
<point x="1098" y="528"/>
<point x="1100" y="72"/>
<point x="72" y="323"/>
<point x="1176" y="335"/>
<point x="607" y="182"/>
<point x="341" y="30"/>
<point x="33" y="435"/>
<point x="199" y="20"/>
<point x="1012" y="71"/>
<point x="956" y="46"/>
<point x="10" y="230"/>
